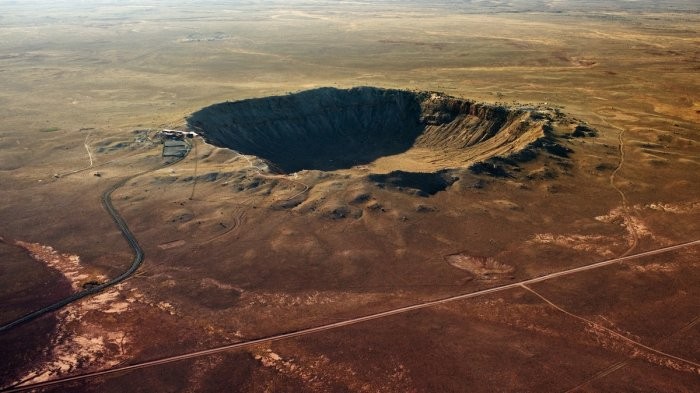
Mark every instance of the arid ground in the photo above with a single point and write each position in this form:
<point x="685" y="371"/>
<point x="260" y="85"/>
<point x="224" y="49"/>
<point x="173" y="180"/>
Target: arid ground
<point x="287" y="234"/>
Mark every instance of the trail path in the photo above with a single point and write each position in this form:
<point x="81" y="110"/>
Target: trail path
<point x="87" y="147"/>
<point x="625" y="204"/>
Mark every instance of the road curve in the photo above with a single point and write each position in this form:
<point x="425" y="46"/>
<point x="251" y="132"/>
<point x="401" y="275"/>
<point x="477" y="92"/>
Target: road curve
<point x="126" y="233"/>
<point x="318" y="329"/>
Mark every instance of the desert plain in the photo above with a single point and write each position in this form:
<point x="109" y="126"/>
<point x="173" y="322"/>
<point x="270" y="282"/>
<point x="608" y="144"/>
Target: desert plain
<point x="321" y="262"/>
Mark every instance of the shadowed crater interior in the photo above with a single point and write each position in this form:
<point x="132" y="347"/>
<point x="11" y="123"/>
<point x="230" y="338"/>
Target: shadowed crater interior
<point x="324" y="129"/>
<point x="393" y="130"/>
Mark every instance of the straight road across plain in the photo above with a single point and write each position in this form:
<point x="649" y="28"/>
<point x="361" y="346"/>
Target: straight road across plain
<point x="353" y="321"/>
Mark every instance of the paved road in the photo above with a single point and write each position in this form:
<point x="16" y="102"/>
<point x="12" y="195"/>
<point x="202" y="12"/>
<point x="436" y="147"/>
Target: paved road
<point x="126" y="232"/>
<point x="322" y="328"/>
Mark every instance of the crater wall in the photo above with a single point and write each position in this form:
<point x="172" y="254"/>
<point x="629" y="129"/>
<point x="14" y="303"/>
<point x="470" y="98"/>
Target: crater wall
<point x="329" y="129"/>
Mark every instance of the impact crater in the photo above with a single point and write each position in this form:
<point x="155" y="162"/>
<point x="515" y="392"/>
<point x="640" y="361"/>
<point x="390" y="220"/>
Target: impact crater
<point x="380" y="130"/>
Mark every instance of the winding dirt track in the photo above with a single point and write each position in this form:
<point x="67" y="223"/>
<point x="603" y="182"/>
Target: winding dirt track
<point x="87" y="147"/>
<point x="633" y="245"/>
<point x="353" y="321"/>
<point x="623" y="197"/>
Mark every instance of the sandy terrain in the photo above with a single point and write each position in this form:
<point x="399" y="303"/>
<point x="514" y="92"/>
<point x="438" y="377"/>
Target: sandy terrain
<point x="247" y="244"/>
